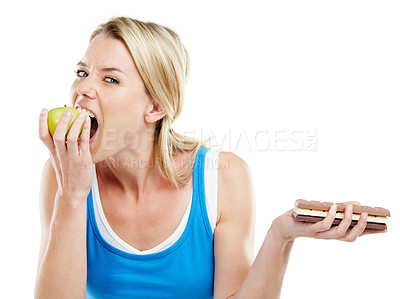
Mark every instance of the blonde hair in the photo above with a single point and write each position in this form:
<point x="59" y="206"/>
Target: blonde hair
<point x="163" y="63"/>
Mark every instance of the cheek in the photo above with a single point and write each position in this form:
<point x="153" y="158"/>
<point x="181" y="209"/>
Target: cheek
<point x="129" y="109"/>
<point x="126" y="127"/>
<point x="120" y="132"/>
<point x="129" y="137"/>
<point x="72" y="94"/>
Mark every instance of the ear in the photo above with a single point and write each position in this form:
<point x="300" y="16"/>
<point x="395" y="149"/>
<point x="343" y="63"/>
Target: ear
<point x="154" y="113"/>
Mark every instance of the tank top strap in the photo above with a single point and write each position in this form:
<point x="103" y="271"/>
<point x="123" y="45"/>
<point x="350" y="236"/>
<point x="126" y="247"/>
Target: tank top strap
<point x="199" y="190"/>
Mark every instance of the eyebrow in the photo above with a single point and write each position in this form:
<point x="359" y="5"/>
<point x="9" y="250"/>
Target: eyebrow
<point x="104" y="69"/>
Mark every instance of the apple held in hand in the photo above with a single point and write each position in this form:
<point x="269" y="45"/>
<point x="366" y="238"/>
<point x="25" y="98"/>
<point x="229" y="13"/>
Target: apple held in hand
<point x="54" y="116"/>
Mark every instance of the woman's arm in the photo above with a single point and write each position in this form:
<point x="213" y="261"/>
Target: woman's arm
<point x="266" y="275"/>
<point x="234" y="233"/>
<point x="62" y="259"/>
<point x="66" y="182"/>
<point x="236" y="276"/>
<point x="233" y="237"/>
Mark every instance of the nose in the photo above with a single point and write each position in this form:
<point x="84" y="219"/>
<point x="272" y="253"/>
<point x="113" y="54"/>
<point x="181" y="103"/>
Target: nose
<point x="87" y="88"/>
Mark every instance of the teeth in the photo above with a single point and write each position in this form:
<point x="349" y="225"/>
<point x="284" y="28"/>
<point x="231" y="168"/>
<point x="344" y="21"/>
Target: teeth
<point x="88" y="113"/>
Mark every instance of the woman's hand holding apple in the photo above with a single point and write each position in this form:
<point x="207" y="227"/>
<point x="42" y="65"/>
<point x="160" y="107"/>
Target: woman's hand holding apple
<point x="70" y="157"/>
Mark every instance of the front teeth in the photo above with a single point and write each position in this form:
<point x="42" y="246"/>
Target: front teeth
<point x="88" y="113"/>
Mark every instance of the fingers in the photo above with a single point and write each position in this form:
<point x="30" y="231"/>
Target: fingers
<point x="361" y="230"/>
<point x="46" y="138"/>
<point x="73" y="134"/>
<point x="44" y="133"/>
<point x="325" y="224"/>
<point x="85" y="135"/>
<point x="358" y="229"/>
<point x="341" y="230"/>
<point x="344" y="232"/>
<point x="61" y="131"/>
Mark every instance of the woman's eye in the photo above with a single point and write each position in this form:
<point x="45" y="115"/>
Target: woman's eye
<point x="81" y="73"/>
<point x="111" y="80"/>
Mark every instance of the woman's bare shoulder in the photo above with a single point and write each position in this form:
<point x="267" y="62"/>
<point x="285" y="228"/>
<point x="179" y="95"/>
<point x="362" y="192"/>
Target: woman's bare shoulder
<point x="235" y="187"/>
<point x="232" y="167"/>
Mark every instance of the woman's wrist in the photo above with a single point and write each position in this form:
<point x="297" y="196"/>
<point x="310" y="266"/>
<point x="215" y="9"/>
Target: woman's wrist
<point x="72" y="196"/>
<point x="278" y="233"/>
<point x="66" y="203"/>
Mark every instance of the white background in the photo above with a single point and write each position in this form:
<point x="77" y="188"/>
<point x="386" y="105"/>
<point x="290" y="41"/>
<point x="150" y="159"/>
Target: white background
<point x="306" y="92"/>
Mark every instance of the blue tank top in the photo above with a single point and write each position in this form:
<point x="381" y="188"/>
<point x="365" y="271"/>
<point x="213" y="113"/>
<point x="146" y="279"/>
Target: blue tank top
<point x="184" y="270"/>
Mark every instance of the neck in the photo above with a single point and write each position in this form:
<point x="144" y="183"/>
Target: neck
<point x="133" y="170"/>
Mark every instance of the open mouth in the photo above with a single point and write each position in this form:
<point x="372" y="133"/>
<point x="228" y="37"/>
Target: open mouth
<point x="94" y="125"/>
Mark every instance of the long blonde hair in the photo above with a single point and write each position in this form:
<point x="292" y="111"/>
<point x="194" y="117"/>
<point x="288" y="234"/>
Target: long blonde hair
<point x="163" y="63"/>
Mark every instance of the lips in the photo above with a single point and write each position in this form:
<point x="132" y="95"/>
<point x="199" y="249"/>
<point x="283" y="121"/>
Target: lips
<point x="94" y="124"/>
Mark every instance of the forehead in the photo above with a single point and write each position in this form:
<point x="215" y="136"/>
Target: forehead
<point x="108" y="51"/>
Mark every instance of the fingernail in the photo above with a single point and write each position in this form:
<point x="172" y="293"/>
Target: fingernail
<point x="68" y="113"/>
<point x="43" y="111"/>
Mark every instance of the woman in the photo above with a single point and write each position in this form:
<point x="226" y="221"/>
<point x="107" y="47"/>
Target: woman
<point x="129" y="207"/>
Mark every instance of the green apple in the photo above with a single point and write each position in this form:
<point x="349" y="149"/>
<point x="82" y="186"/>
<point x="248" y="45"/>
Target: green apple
<point x="54" y="116"/>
